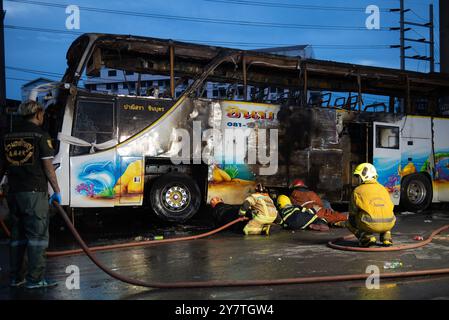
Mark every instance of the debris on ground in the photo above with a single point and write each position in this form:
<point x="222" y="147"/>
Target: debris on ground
<point x="392" y="265"/>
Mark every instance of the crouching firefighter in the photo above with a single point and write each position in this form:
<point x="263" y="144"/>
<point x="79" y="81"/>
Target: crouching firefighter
<point x="295" y="217"/>
<point x="371" y="209"/>
<point x="262" y="211"/>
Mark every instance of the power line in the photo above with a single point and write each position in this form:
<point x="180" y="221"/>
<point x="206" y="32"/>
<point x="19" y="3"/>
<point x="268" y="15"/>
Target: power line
<point x="291" y="6"/>
<point x="38" y="72"/>
<point x="19" y="79"/>
<point x="216" y="42"/>
<point x="200" y="20"/>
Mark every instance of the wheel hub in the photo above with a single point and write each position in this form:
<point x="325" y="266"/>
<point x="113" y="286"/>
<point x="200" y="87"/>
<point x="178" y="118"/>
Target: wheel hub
<point x="416" y="192"/>
<point x="176" y="197"/>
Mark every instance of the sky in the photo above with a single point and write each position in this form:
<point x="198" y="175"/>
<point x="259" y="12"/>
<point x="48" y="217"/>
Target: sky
<point x="266" y="23"/>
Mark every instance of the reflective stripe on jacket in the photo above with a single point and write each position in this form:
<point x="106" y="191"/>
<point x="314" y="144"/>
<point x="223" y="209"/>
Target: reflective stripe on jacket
<point x="372" y="206"/>
<point x="262" y="207"/>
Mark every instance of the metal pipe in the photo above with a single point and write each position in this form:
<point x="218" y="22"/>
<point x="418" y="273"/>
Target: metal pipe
<point x="172" y="71"/>
<point x="245" y="80"/>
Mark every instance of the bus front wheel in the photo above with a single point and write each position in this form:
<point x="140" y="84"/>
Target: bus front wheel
<point x="416" y="193"/>
<point x="175" y="197"/>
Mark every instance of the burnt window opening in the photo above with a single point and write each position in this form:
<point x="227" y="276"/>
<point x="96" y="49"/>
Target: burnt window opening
<point x="134" y="115"/>
<point x="93" y="123"/>
<point x="387" y="137"/>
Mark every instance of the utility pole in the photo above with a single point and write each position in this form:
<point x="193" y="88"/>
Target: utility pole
<point x="2" y="62"/>
<point x="432" y="38"/>
<point x="444" y="49"/>
<point x="444" y="36"/>
<point x="403" y="28"/>
<point x="402" y="32"/>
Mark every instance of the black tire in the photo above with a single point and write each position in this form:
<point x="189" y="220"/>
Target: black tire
<point x="175" y="197"/>
<point x="416" y="193"/>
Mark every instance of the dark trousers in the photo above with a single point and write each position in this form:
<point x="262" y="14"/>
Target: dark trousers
<point x="225" y="213"/>
<point x="298" y="220"/>
<point x="29" y="234"/>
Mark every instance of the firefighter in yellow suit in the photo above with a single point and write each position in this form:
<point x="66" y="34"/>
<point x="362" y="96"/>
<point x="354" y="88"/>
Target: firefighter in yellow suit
<point x="371" y="209"/>
<point x="262" y="211"/>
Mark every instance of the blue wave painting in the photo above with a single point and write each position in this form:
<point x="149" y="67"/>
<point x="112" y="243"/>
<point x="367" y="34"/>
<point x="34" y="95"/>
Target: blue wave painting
<point x="98" y="178"/>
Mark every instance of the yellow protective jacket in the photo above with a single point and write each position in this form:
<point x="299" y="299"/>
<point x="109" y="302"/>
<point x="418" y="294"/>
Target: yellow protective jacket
<point x="372" y="207"/>
<point x="262" y="208"/>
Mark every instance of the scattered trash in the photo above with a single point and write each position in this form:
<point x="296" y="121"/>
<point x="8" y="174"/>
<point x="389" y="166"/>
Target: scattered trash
<point x="428" y="221"/>
<point x="230" y="258"/>
<point x="139" y="238"/>
<point x="158" y="237"/>
<point x="406" y="213"/>
<point x="418" y="238"/>
<point x="279" y="259"/>
<point x="392" y="265"/>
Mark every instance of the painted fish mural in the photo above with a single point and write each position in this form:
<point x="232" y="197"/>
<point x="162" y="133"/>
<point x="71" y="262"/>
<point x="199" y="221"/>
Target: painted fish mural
<point x="108" y="180"/>
<point x="98" y="179"/>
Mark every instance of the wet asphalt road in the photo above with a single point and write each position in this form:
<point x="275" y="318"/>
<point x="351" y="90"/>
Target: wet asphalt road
<point x="226" y="256"/>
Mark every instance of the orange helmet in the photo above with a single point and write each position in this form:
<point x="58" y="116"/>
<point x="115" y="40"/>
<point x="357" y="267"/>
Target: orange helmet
<point x="297" y="183"/>
<point x="214" y="201"/>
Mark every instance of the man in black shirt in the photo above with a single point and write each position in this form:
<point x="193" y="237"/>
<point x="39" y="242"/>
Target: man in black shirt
<point x="26" y="155"/>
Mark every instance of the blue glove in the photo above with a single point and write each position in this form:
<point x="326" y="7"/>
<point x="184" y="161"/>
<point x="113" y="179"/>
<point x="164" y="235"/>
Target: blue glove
<point x="55" y="197"/>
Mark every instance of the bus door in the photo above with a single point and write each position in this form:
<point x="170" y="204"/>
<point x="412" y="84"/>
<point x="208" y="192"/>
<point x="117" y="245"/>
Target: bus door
<point x="93" y="159"/>
<point x="387" y="157"/>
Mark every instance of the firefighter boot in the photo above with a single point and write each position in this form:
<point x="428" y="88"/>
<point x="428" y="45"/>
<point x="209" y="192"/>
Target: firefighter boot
<point x="386" y="239"/>
<point x="266" y="230"/>
<point x="367" y="240"/>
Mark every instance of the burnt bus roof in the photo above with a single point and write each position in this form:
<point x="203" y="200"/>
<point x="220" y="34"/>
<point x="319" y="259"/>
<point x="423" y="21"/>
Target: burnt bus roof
<point x="121" y="51"/>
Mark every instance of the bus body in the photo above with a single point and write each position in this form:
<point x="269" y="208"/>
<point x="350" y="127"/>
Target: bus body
<point x="119" y="150"/>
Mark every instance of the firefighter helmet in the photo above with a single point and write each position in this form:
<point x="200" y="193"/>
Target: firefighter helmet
<point x="283" y="201"/>
<point x="214" y="201"/>
<point x="297" y="183"/>
<point x="366" y="172"/>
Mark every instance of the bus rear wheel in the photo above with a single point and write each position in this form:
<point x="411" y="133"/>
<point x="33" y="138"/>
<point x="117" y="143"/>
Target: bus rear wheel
<point x="175" y="197"/>
<point x="416" y="193"/>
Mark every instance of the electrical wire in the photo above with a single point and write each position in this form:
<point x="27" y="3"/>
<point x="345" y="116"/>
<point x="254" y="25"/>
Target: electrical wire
<point x="201" y="20"/>
<point x="236" y="43"/>
<point x="291" y="6"/>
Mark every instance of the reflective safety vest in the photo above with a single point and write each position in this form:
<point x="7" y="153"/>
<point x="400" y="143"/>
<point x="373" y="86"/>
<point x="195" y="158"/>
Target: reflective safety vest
<point x="262" y="208"/>
<point x="372" y="206"/>
<point x="308" y="216"/>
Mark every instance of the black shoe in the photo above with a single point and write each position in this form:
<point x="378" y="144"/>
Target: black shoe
<point x="17" y="283"/>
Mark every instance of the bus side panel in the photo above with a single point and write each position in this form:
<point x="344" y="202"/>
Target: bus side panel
<point x="129" y="186"/>
<point x="441" y="144"/>
<point x="232" y="178"/>
<point x="93" y="179"/>
<point x="416" y="141"/>
<point x="387" y="156"/>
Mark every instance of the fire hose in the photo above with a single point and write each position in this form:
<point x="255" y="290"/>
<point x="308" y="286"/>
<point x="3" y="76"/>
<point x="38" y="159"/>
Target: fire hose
<point x="333" y="244"/>
<point x="235" y="283"/>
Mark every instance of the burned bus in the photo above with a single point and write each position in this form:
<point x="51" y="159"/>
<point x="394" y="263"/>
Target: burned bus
<point x="129" y="148"/>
